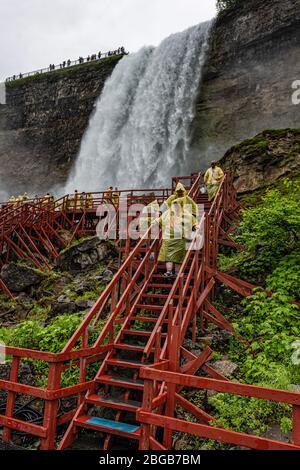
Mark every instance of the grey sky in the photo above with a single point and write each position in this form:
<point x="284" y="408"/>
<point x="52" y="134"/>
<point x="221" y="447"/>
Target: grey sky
<point x="34" y="33"/>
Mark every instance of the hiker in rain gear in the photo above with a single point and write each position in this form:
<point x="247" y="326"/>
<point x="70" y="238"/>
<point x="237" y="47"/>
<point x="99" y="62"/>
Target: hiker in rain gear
<point x="90" y="200"/>
<point x="177" y="224"/>
<point x="82" y="200"/>
<point x="148" y="215"/>
<point x="115" y="197"/>
<point x="181" y="193"/>
<point x="213" y="179"/>
<point x="108" y="195"/>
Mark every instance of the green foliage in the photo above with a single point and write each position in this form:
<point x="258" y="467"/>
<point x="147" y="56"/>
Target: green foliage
<point x="31" y="335"/>
<point x="286" y="277"/>
<point x="244" y="414"/>
<point x="269" y="232"/>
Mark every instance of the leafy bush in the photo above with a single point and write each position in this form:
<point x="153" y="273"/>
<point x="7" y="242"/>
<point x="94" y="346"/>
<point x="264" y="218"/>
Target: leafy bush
<point x="270" y="233"/>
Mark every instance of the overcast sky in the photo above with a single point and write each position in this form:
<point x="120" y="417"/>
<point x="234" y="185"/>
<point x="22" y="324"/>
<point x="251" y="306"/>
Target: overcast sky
<point x="35" y="33"/>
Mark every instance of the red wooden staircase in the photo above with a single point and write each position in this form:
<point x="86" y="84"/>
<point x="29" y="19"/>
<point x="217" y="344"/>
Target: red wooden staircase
<point x="143" y="363"/>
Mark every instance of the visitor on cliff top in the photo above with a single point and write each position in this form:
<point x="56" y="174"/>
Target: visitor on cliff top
<point x="108" y="195"/>
<point x="116" y="197"/>
<point x="213" y="179"/>
<point x="177" y="225"/>
<point x="180" y="192"/>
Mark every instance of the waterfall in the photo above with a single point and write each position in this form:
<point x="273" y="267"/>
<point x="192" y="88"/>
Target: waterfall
<point x="139" y="133"/>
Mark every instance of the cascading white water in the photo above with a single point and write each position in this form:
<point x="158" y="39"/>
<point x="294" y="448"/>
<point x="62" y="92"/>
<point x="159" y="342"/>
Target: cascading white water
<point x="139" y="134"/>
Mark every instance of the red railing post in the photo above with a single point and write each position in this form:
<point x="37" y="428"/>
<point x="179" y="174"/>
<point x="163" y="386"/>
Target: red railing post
<point x="51" y="407"/>
<point x="174" y="356"/>
<point x="148" y="396"/>
<point x="11" y="397"/>
<point x="296" y="425"/>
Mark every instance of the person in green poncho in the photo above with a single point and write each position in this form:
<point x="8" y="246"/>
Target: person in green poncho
<point x="181" y="193"/>
<point x="213" y="179"/>
<point x="177" y="224"/>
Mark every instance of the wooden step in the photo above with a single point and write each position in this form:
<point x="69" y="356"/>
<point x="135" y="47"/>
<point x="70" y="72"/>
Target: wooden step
<point x="113" y="402"/>
<point x="108" y="426"/>
<point x="117" y="381"/>
<point x="161" y="276"/>
<point x="161" y="286"/>
<point x="154" y="308"/>
<point x="137" y="332"/>
<point x="127" y="363"/>
<point x="129" y="347"/>
<point x="147" y="319"/>
<point x="140" y="333"/>
<point x="155" y="296"/>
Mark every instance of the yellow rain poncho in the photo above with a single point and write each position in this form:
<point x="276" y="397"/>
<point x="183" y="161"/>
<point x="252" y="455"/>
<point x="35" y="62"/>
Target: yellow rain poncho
<point x="115" y="198"/>
<point x="177" y="225"/>
<point x="213" y="179"/>
<point x="187" y="200"/>
<point x="147" y="216"/>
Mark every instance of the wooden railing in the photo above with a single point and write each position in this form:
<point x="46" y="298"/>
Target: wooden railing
<point x="168" y="374"/>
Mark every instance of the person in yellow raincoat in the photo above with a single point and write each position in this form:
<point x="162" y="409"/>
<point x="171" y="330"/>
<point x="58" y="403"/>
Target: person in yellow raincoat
<point x="177" y="225"/>
<point x="115" y="197"/>
<point x="213" y="179"/>
<point x="149" y="213"/>
<point x="181" y="193"/>
<point x="90" y="201"/>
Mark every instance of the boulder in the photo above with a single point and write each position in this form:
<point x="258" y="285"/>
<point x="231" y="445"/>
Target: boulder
<point x="26" y="376"/>
<point x="19" y="277"/>
<point x="84" y="304"/>
<point x="84" y="255"/>
<point x="226" y="368"/>
<point x="59" y="308"/>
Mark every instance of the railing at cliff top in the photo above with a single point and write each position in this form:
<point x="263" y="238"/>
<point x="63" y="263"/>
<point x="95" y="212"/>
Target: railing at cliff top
<point x="68" y="64"/>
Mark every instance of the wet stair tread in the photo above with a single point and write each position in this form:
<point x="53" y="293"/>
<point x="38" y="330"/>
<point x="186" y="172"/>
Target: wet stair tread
<point x="140" y="333"/>
<point x="116" y="380"/>
<point x="107" y="425"/>
<point x="130" y="363"/>
<point x="129" y="347"/>
<point x="147" y="319"/>
<point x="118" y="403"/>
<point x="149" y="307"/>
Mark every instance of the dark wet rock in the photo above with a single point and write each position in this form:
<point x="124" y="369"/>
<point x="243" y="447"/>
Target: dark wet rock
<point x="274" y="432"/>
<point x="19" y="277"/>
<point x="26" y="376"/>
<point x="226" y="368"/>
<point x="60" y="308"/>
<point x="85" y="304"/>
<point x="84" y="255"/>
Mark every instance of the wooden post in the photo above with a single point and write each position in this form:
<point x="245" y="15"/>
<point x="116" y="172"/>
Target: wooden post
<point x="146" y="406"/>
<point x="51" y="407"/>
<point x="11" y="397"/>
<point x="296" y="425"/>
<point x="174" y="357"/>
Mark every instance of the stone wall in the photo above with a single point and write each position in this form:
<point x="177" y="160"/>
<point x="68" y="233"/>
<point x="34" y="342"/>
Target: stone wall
<point x="42" y="124"/>
<point x="247" y="86"/>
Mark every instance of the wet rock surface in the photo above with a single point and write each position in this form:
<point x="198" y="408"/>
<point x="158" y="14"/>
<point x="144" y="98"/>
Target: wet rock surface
<point x="84" y="255"/>
<point x="19" y="277"/>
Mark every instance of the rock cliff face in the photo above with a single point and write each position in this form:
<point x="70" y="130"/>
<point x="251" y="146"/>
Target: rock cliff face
<point x="263" y="160"/>
<point x="247" y="86"/>
<point x="42" y="124"/>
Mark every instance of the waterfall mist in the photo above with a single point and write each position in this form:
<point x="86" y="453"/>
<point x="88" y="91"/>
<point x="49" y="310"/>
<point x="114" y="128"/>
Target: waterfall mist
<point x="139" y="133"/>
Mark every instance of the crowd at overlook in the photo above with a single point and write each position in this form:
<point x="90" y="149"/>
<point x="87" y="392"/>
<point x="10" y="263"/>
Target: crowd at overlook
<point x="69" y="63"/>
